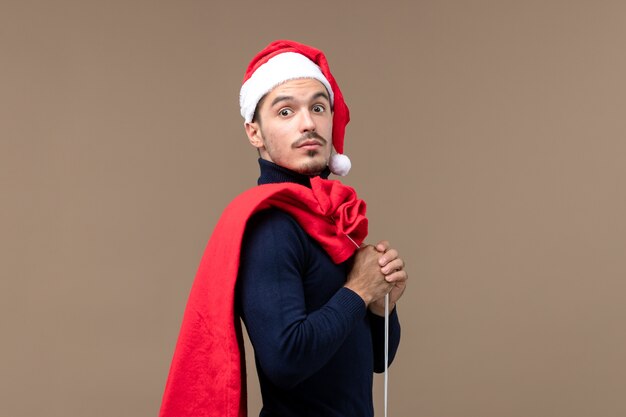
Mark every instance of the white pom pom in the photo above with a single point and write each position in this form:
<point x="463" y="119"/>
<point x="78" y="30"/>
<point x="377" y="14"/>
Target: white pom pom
<point x="339" y="164"/>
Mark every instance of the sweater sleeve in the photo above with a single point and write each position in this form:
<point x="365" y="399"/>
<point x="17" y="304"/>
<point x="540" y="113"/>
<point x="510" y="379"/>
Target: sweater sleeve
<point x="377" y="324"/>
<point x="290" y="343"/>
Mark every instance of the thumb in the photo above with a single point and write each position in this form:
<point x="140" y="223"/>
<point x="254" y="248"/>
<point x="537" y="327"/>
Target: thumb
<point x="382" y="246"/>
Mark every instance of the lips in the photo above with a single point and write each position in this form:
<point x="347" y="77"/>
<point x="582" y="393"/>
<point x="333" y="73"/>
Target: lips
<point x="310" y="143"/>
<point x="310" y="140"/>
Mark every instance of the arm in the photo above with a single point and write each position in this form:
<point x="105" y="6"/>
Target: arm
<point x="291" y="342"/>
<point x="377" y="324"/>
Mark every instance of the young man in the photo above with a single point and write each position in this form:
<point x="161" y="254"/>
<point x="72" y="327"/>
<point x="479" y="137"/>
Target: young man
<point x="288" y="255"/>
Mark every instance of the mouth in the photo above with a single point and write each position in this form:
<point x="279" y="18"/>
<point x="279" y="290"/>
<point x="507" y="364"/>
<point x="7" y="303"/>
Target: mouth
<point x="310" y="144"/>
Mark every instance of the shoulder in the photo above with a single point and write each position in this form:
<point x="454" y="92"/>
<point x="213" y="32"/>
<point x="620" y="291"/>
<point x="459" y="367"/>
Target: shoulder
<point x="272" y="216"/>
<point x="273" y="221"/>
<point x="273" y="239"/>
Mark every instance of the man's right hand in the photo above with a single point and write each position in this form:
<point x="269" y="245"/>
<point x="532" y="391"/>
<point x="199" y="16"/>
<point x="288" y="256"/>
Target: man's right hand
<point x="365" y="278"/>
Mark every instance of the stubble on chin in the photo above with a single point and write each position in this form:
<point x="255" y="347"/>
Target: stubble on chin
<point x="312" y="167"/>
<point x="311" y="153"/>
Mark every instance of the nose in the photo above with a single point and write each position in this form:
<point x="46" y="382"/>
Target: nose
<point x="307" y="124"/>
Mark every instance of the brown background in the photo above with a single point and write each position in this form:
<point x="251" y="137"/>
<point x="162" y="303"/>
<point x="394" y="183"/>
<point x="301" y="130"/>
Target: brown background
<point x="487" y="137"/>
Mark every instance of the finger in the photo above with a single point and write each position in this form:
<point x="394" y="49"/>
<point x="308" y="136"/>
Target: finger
<point x="389" y="256"/>
<point x="397" y="277"/>
<point x="394" y="265"/>
<point x="382" y="246"/>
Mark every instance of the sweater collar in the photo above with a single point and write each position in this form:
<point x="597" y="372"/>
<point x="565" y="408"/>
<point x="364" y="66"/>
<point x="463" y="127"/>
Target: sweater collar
<point x="272" y="173"/>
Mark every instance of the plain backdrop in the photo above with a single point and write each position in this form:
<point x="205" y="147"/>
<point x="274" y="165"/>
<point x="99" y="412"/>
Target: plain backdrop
<point x="487" y="137"/>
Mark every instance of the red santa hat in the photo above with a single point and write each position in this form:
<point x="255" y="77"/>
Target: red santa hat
<point x="285" y="60"/>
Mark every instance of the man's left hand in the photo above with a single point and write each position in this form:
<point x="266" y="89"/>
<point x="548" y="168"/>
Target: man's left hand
<point x="392" y="267"/>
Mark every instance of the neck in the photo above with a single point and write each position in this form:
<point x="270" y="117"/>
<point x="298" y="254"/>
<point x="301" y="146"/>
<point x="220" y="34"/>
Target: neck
<point x="272" y="173"/>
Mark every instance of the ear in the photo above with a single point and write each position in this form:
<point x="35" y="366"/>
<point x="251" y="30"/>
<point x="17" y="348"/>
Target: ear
<point x="253" y="131"/>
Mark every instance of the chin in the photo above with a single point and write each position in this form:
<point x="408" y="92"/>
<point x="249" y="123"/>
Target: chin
<point x="311" y="167"/>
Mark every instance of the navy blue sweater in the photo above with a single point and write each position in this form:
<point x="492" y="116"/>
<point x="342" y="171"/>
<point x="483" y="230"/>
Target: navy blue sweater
<point x="316" y="345"/>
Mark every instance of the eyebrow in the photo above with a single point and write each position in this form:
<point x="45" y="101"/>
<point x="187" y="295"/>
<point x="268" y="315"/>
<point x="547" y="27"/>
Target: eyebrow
<point x="278" y="99"/>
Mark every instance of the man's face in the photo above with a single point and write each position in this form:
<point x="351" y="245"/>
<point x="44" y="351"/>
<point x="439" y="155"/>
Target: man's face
<point x="293" y="126"/>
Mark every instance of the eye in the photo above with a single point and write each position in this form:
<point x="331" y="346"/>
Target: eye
<point x="318" y="108"/>
<point x="285" y="112"/>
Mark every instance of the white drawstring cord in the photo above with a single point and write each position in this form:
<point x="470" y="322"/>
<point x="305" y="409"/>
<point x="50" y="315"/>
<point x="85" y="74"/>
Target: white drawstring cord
<point x="386" y="349"/>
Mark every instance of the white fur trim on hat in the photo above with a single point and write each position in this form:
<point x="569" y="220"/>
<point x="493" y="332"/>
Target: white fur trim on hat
<point x="339" y="164"/>
<point x="278" y="69"/>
